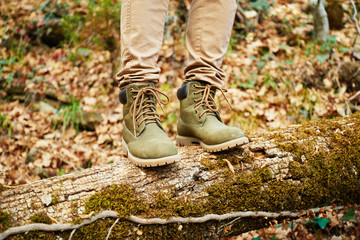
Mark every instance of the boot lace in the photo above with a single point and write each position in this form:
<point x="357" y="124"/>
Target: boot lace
<point x="144" y="104"/>
<point x="208" y="99"/>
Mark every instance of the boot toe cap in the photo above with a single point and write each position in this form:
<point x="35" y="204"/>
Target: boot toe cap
<point x="151" y="150"/>
<point x="223" y="135"/>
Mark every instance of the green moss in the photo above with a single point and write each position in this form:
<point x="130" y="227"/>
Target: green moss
<point x="166" y="205"/>
<point x="128" y="230"/>
<point x="77" y="220"/>
<point x="299" y="171"/>
<point x="212" y="164"/>
<point x="235" y="157"/>
<point x="327" y="176"/>
<point x="100" y="228"/>
<point x="35" y="205"/>
<point x="54" y="198"/>
<point x="323" y="177"/>
<point x="265" y="174"/>
<point x="40" y="218"/>
<point x="121" y="199"/>
<point x="39" y="235"/>
<point x="248" y="192"/>
<point x="4" y="221"/>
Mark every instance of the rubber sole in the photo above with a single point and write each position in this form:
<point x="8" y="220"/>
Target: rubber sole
<point x="185" y="141"/>
<point x="155" y="162"/>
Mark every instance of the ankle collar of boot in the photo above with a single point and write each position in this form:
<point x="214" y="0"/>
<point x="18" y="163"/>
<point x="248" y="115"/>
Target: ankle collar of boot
<point x="123" y="96"/>
<point x="182" y="92"/>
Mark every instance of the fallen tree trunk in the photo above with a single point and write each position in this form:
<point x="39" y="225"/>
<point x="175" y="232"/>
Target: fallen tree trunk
<point x="205" y="196"/>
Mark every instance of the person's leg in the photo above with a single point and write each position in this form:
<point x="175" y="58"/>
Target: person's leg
<point x="208" y="33"/>
<point x="207" y="39"/>
<point x="142" y="27"/>
<point x="144" y="140"/>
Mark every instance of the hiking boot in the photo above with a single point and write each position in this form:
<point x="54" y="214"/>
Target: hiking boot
<point x="200" y="121"/>
<point x="144" y="140"/>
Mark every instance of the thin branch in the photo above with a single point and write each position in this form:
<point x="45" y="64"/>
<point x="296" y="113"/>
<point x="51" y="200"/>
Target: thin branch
<point x="354" y="96"/>
<point x="240" y="13"/>
<point x="51" y="218"/>
<point x="152" y="221"/>
<point x="72" y="234"/>
<point x="110" y="229"/>
<point x="354" y="17"/>
<point x="8" y="186"/>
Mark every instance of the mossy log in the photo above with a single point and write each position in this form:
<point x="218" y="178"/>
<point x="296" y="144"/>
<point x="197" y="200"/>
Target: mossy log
<point x="307" y="166"/>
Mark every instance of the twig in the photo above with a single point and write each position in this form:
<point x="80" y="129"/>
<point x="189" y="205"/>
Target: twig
<point x="230" y="166"/>
<point x="8" y="186"/>
<point x="222" y="228"/>
<point x="51" y="218"/>
<point x="354" y="96"/>
<point x="110" y="229"/>
<point x="72" y="234"/>
<point x="355" y="39"/>
<point x="293" y="237"/>
<point x="354" y="17"/>
<point x="354" y="54"/>
<point x="240" y="13"/>
<point x="152" y="221"/>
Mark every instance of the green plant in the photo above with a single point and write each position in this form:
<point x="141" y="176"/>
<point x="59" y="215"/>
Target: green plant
<point x="79" y="54"/>
<point x="61" y="172"/>
<point x="70" y="114"/>
<point x="251" y="81"/>
<point x="270" y="82"/>
<point x="232" y="44"/>
<point x="350" y="215"/>
<point x="72" y="26"/>
<point x="325" y="51"/>
<point x="321" y="222"/>
<point x="97" y="27"/>
<point x="260" y="5"/>
<point x="10" y="77"/>
<point x="170" y="118"/>
<point x="5" y="124"/>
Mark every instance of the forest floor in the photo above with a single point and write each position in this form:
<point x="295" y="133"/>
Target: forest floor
<point x="59" y="107"/>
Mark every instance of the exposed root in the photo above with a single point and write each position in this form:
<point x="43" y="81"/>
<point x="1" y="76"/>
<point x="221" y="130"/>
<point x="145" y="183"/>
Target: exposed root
<point x="152" y="221"/>
<point x="110" y="229"/>
<point x="72" y="234"/>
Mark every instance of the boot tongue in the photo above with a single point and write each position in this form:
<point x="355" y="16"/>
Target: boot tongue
<point x="202" y="83"/>
<point x="139" y="86"/>
<point x="204" y="107"/>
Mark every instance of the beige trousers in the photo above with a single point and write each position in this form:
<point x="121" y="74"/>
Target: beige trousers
<point x="207" y="38"/>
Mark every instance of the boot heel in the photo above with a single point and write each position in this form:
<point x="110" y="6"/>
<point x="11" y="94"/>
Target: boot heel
<point x="185" y="141"/>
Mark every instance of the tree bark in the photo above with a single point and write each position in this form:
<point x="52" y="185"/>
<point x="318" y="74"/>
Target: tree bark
<point x="280" y="151"/>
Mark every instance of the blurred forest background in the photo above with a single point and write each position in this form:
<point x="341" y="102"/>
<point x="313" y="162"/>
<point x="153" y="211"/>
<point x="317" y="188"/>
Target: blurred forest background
<point x="59" y="107"/>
